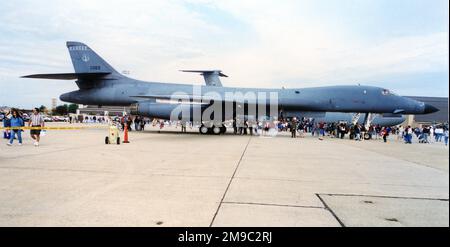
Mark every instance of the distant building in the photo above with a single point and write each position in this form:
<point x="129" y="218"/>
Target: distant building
<point x="109" y="110"/>
<point x="438" y="117"/>
<point x="54" y="103"/>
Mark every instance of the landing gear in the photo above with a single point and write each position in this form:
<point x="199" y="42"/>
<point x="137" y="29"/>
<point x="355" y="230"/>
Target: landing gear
<point x="216" y="130"/>
<point x="203" y="130"/>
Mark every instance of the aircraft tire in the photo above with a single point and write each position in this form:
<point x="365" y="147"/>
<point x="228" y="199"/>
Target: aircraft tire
<point x="223" y="130"/>
<point x="203" y="130"/>
<point x="216" y="130"/>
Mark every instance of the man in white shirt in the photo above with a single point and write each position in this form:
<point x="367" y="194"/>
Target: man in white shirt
<point x="37" y="121"/>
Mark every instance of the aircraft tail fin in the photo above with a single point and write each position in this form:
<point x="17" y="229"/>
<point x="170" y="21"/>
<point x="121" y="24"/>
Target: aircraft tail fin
<point x="85" y="60"/>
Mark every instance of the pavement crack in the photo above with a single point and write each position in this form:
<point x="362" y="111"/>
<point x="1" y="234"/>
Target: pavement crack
<point x="229" y="183"/>
<point x="271" y="204"/>
<point x="330" y="210"/>
<point x="391" y="197"/>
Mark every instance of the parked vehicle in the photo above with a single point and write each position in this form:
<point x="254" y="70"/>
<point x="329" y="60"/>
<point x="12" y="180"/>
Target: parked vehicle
<point x="48" y="119"/>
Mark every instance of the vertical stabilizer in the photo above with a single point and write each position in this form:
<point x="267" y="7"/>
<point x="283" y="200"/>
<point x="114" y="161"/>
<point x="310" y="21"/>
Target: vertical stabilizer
<point x="85" y="60"/>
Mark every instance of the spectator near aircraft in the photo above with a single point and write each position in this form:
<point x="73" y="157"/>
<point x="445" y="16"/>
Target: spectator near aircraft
<point x="36" y="121"/>
<point x="16" y="123"/>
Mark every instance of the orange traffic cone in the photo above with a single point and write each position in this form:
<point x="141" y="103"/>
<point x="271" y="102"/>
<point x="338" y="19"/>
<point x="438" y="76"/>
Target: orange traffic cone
<point x="125" y="134"/>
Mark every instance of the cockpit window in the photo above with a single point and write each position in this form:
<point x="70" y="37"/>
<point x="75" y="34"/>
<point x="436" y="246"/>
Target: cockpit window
<point x="387" y="92"/>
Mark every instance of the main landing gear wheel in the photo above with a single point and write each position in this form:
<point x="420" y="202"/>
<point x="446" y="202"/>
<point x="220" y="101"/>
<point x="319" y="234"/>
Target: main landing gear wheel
<point x="203" y="130"/>
<point x="216" y="130"/>
<point x="223" y="130"/>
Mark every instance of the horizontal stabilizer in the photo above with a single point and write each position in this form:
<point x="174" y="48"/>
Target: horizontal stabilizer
<point x="218" y="72"/>
<point x="211" y="76"/>
<point x="67" y="76"/>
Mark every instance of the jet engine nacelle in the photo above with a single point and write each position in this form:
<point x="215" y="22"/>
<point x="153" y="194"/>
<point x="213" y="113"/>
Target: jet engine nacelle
<point x="173" y="112"/>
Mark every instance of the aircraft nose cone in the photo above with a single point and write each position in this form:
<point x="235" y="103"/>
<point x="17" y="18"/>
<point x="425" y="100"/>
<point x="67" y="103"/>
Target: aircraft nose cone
<point x="430" y="109"/>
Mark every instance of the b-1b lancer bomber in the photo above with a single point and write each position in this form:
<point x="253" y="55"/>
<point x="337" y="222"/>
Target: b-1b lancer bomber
<point x="211" y="105"/>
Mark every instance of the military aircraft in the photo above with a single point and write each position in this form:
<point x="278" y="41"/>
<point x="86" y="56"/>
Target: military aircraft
<point x="212" y="78"/>
<point x="100" y="84"/>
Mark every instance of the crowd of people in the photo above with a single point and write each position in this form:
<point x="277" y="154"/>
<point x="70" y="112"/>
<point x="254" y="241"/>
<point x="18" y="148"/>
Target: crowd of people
<point x="302" y="127"/>
<point x="340" y="130"/>
<point x="425" y="134"/>
<point x="297" y="127"/>
<point x="357" y="132"/>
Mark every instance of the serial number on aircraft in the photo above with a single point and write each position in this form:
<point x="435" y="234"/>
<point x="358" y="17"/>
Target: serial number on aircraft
<point x="78" y="48"/>
<point x="208" y="238"/>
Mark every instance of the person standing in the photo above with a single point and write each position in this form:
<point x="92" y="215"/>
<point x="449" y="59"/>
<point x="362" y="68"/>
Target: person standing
<point x="446" y="136"/>
<point x="36" y="121"/>
<point x="16" y="123"/>
<point x="321" y="129"/>
<point x="142" y="123"/>
<point x="357" y="133"/>
<point x="400" y="133"/>
<point x="342" y="130"/>
<point x="294" y="128"/>
<point x="438" y="133"/>
<point x="431" y="134"/>
<point x="300" y="128"/>
<point x="245" y="127"/>
<point x="183" y="127"/>
<point x="136" y="123"/>
<point x="122" y="122"/>
<point x="408" y="134"/>
<point x="128" y="121"/>
<point x="385" y="133"/>
<point x="235" y="129"/>
<point x="7" y="124"/>
<point x="425" y="133"/>
<point x="250" y="127"/>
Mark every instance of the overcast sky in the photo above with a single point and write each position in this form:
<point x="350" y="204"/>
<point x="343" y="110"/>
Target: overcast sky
<point x="398" y="44"/>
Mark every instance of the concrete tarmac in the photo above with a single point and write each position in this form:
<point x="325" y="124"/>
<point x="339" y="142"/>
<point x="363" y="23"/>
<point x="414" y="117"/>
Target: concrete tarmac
<point x="173" y="179"/>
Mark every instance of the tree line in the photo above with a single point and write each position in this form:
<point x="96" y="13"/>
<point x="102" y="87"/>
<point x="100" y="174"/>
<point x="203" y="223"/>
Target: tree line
<point x="61" y="109"/>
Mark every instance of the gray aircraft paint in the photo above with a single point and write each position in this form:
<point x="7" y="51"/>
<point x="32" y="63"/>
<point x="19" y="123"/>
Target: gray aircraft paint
<point x="383" y="121"/>
<point x="100" y="84"/>
<point x="328" y="117"/>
